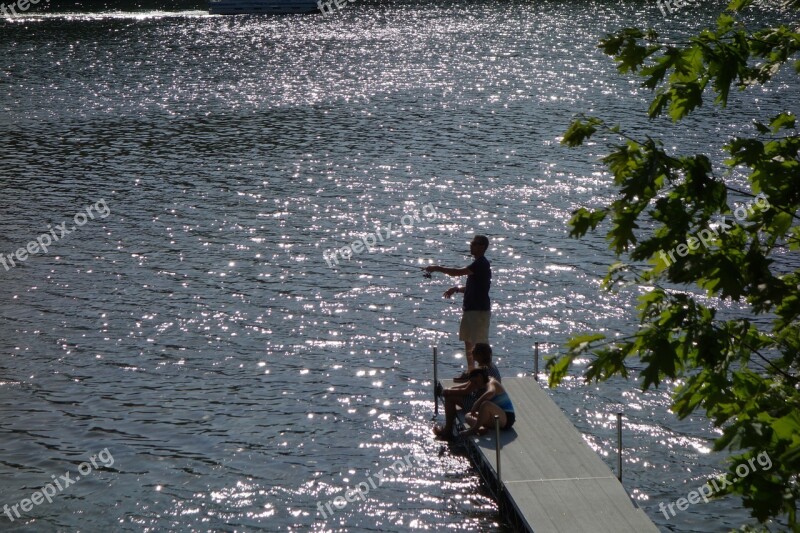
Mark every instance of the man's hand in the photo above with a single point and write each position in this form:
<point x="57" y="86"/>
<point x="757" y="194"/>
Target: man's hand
<point x="450" y="292"/>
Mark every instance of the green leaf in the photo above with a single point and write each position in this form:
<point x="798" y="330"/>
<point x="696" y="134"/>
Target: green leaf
<point x="787" y="427"/>
<point x="558" y="369"/>
<point x="583" y="220"/>
<point x="684" y="98"/>
<point x="782" y="121"/>
<point x="725" y="22"/>
<point x="582" y="341"/>
<point x="760" y="127"/>
<point x="579" y="131"/>
<point x="738" y="5"/>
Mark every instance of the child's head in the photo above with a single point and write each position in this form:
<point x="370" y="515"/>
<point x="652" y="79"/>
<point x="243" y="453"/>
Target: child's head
<point x="479" y="376"/>
<point x="482" y="353"/>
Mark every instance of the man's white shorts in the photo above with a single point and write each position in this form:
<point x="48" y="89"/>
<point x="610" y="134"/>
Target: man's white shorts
<point x="475" y="326"/>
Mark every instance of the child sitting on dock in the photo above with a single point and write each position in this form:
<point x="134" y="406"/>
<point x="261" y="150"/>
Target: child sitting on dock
<point x="466" y="394"/>
<point x="494" y="402"/>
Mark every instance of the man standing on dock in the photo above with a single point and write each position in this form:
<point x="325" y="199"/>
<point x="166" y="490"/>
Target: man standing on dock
<point x="477" y="307"/>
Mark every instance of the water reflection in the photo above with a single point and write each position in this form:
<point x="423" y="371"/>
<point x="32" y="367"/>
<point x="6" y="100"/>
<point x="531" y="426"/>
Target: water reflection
<point x="198" y="333"/>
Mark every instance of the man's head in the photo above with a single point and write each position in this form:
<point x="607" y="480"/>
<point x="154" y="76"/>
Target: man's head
<point x="482" y="354"/>
<point x="478" y="245"/>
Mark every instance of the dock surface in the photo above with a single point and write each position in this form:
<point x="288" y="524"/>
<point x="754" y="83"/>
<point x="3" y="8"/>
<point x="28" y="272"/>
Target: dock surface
<point x="552" y="480"/>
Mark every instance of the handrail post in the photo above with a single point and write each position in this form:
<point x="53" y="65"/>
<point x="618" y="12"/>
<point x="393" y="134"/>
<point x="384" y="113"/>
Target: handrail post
<point x="536" y="361"/>
<point x="435" y="382"/>
<point x="497" y="450"/>
<point x="619" y="447"/>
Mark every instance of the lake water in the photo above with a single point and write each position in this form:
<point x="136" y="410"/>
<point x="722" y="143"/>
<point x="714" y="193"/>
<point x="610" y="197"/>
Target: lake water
<point x="192" y="337"/>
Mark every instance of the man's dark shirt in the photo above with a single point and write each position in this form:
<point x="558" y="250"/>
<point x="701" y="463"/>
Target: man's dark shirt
<point x="476" y="294"/>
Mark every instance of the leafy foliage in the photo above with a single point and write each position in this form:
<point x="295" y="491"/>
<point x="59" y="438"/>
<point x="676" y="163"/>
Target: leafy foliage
<point x="742" y="372"/>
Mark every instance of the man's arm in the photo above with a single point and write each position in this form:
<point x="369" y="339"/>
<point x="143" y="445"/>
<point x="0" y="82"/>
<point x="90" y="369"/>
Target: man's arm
<point x="455" y="272"/>
<point x="448" y="293"/>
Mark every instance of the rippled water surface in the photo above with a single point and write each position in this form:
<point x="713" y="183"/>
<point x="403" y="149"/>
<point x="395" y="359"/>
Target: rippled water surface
<point x="197" y="334"/>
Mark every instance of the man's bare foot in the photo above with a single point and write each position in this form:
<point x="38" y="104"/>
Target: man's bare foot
<point x="472" y="432"/>
<point x="443" y="433"/>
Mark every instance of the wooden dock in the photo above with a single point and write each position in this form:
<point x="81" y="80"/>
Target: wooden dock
<point x="552" y="481"/>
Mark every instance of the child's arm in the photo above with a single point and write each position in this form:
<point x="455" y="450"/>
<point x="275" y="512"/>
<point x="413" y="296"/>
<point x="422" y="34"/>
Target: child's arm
<point x="459" y="390"/>
<point x="490" y="393"/>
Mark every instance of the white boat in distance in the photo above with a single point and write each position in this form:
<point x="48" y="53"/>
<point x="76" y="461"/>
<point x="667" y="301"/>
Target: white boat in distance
<point x="241" y="7"/>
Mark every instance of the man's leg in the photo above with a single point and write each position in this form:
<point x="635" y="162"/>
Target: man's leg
<point x="449" y="417"/>
<point x="468" y="347"/>
<point x="467" y="333"/>
<point x="453" y="398"/>
<point x="449" y="413"/>
<point x="482" y="329"/>
<point x="474" y="329"/>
